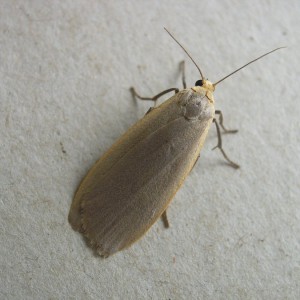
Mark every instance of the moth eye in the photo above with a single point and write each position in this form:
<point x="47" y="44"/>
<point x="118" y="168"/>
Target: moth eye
<point x="199" y="82"/>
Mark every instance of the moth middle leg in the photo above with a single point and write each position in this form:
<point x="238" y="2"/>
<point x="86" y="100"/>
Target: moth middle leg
<point x="156" y="97"/>
<point x="135" y="94"/>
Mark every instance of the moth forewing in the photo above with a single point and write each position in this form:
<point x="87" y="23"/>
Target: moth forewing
<point x="130" y="187"/>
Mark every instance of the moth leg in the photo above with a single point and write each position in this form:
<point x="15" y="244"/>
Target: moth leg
<point x="195" y="162"/>
<point x="182" y="68"/>
<point x="221" y="123"/>
<point x="219" y="145"/>
<point x="165" y="219"/>
<point x="149" y="110"/>
<point x="135" y="94"/>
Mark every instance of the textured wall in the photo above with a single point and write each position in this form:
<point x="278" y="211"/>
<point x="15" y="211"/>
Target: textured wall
<point x="66" y="68"/>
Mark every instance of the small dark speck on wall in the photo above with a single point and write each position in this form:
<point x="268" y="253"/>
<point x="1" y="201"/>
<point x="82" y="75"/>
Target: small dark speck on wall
<point x="62" y="148"/>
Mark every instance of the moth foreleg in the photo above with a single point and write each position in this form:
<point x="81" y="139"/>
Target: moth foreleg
<point x="219" y="145"/>
<point x="219" y="112"/>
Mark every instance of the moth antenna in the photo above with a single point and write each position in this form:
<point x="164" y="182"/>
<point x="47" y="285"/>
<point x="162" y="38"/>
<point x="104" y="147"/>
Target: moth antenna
<point x="202" y="77"/>
<point x="252" y="61"/>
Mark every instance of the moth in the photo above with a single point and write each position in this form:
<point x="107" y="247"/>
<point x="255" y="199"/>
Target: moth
<point x="133" y="183"/>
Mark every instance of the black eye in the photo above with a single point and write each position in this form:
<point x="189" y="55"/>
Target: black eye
<point x="199" y="83"/>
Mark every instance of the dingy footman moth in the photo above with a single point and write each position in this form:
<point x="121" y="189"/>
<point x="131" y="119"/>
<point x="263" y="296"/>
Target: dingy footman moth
<point x="132" y="184"/>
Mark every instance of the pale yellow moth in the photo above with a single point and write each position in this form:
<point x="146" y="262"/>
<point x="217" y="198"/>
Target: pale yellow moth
<point x="132" y="184"/>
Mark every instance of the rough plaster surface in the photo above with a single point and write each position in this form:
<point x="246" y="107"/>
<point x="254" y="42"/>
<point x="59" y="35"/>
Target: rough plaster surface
<point x="66" y="68"/>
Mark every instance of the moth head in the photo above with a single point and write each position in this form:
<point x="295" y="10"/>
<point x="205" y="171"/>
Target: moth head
<point x="205" y="88"/>
<point x="206" y="84"/>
